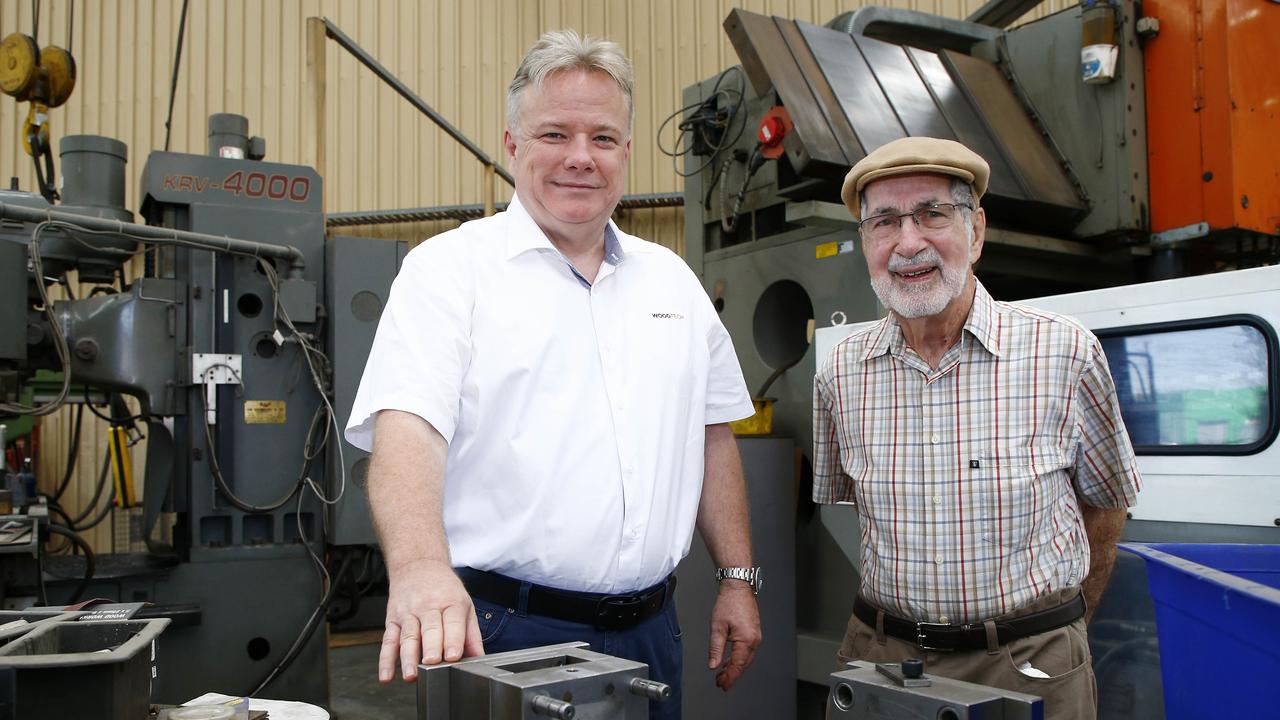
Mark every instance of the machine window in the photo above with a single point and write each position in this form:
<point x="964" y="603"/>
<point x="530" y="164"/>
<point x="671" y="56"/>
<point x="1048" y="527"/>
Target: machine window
<point x="1202" y="387"/>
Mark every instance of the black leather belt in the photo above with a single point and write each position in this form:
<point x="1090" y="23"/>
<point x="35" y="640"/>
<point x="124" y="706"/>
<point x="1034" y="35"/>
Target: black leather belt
<point x="604" y="612"/>
<point x="938" y="637"/>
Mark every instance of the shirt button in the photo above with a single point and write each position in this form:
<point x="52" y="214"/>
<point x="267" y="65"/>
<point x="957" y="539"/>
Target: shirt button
<point x="944" y="620"/>
<point x="934" y="439"/>
<point x="937" y="560"/>
<point x="937" y="499"/>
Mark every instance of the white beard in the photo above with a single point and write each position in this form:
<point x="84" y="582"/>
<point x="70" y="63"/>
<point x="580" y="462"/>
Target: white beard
<point x="916" y="301"/>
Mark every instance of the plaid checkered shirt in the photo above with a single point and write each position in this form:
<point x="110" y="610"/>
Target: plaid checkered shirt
<point x="965" y="478"/>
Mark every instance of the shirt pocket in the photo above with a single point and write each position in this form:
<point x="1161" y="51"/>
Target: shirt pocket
<point x="665" y="352"/>
<point x="1011" y="496"/>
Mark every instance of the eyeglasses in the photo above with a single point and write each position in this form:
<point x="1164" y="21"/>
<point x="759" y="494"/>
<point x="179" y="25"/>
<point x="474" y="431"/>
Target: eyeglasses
<point x="937" y="216"/>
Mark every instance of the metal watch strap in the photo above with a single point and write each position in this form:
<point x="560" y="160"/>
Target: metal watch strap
<point x="749" y="575"/>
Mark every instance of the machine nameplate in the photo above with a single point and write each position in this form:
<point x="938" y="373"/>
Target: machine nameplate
<point x="265" y="412"/>
<point x="252" y="184"/>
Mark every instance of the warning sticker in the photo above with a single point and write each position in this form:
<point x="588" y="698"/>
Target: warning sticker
<point x="831" y="249"/>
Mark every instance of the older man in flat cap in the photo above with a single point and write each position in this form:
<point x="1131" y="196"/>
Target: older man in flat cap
<point x="980" y="443"/>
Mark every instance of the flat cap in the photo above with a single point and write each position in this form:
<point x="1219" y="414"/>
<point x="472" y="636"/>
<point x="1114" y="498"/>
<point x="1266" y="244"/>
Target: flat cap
<point x="915" y="155"/>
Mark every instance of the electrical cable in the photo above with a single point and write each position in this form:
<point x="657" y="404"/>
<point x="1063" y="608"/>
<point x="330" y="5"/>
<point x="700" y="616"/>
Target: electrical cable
<point x="216" y="471"/>
<point x="720" y="172"/>
<point x="312" y="356"/>
<point x="318" y="565"/>
<point x="729" y="220"/>
<point x="709" y="115"/>
<point x="59" y="339"/>
<point x="696" y="123"/>
<point x="88" y="556"/>
<point x="311" y="450"/>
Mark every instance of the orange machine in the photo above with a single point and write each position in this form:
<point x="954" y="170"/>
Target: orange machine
<point x="1213" y="114"/>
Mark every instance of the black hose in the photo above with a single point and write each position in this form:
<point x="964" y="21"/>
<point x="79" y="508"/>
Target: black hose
<point x="88" y="556"/>
<point x="54" y="507"/>
<point x="102" y="514"/>
<point x="114" y="418"/>
<point x="778" y="373"/>
<point x="73" y="452"/>
<point x="97" y="494"/>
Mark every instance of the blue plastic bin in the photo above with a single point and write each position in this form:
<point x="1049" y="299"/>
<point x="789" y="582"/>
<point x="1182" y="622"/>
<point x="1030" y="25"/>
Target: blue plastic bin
<point x="1218" y="623"/>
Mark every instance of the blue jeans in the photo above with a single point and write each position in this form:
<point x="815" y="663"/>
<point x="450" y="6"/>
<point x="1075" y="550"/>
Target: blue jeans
<point x="655" y="642"/>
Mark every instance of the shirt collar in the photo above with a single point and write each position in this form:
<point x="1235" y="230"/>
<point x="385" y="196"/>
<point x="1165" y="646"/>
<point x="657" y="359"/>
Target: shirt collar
<point x="886" y="336"/>
<point x="524" y="235"/>
<point x="982" y="320"/>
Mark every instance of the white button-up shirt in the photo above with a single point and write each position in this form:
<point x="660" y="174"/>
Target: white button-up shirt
<point x="575" y="412"/>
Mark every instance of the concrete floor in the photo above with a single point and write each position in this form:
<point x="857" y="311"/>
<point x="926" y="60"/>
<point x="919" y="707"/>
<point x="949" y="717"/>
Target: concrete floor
<point x="356" y="694"/>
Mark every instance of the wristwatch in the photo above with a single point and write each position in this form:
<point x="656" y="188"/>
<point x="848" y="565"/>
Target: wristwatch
<point x="749" y="575"/>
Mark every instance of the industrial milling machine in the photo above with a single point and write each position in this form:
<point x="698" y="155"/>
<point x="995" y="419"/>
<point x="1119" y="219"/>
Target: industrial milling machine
<point x="239" y="345"/>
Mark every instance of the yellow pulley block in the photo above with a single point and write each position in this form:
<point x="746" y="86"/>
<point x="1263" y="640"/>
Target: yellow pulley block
<point x="60" y="68"/>
<point x="19" y="65"/>
<point x="37" y="123"/>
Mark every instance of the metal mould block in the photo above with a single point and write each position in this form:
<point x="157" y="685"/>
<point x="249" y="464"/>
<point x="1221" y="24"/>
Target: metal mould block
<point x="874" y="692"/>
<point x="556" y="681"/>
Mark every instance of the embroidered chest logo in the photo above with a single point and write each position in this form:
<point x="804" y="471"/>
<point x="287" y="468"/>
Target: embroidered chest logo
<point x="668" y="316"/>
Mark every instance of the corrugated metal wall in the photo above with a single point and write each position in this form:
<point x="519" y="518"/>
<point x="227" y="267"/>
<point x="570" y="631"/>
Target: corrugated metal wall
<point x="250" y="58"/>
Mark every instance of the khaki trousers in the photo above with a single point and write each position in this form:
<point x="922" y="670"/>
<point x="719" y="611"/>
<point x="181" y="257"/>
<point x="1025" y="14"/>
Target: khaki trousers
<point x="1070" y="692"/>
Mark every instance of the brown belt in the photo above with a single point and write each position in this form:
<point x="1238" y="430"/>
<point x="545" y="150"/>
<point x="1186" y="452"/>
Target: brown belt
<point x="939" y="637"/>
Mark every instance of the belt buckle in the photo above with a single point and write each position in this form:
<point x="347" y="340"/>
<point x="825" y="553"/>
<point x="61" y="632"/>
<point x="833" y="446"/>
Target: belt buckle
<point x="922" y="630"/>
<point x="617" y="610"/>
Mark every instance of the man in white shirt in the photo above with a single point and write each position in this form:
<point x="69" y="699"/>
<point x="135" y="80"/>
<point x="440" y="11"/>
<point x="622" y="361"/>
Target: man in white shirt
<point x="547" y="402"/>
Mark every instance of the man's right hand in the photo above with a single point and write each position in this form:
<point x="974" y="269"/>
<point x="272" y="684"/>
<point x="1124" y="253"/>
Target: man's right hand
<point x="429" y="618"/>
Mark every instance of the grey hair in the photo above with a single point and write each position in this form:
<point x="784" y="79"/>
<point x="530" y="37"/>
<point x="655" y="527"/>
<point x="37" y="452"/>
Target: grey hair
<point x="961" y="194"/>
<point x="559" y="50"/>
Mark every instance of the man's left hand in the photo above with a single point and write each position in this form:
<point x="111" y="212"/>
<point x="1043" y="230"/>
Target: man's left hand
<point x="735" y="620"/>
